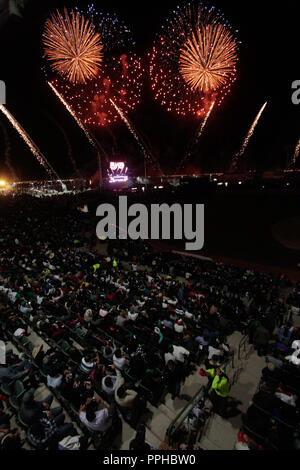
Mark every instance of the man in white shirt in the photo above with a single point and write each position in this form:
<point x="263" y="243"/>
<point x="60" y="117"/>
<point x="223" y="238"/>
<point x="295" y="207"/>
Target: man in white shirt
<point x="120" y="362"/>
<point x="180" y="353"/>
<point x="169" y="357"/>
<point x="132" y="315"/>
<point x="179" y="327"/>
<point x="95" y="419"/>
<point x="54" y="382"/>
<point x="110" y="382"/>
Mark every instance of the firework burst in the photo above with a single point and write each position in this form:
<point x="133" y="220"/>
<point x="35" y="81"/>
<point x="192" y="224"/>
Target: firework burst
<point x="193" y="60"/>
<point x="207" y="60"/>
<point x="72" y="46"/>
<point x="119" y="79"/>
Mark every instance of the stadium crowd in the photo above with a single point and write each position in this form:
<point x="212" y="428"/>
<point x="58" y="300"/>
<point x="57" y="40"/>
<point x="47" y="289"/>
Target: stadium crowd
<point x="123" y="328"/>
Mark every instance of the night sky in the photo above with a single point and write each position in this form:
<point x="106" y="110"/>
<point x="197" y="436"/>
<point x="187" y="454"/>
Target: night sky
<point x="269" y="63"/>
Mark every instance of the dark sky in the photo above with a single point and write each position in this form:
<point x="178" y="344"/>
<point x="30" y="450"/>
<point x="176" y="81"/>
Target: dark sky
<point x="268" y="65"/>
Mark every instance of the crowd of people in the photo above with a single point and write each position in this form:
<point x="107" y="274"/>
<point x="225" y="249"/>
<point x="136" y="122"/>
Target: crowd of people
<point x="124" y="327"/>
<point x="272" y="420"/>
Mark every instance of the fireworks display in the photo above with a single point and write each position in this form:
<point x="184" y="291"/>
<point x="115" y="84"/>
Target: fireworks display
<point x="296" y="154"/>
<point x="119" y="78"/>
<point x="72" y="46"/>
<point x="248" y="136"/>
<point x="193" y="60"/>
<point x="70" y="110"/>
<point x="32" y="146"/>
<point x="89" y="135"/>
<point x="197" y="136"/>
<point x="68" y="144"/>
<point x="207" y="60"/>
<point x="7" y="152"/>
<point x="147" y="154"/>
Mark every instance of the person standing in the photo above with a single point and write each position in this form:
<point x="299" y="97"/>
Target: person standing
<point x="220" y="392"/>
<point x="172" y="375"/>
<point x="139" y="443"/>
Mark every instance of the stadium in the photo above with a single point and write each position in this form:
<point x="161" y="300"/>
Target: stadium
<point x="128" y="344"/>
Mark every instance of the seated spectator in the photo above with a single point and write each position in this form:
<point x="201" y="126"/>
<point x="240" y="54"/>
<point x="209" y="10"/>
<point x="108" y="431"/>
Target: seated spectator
<point x="88" y="316"/>
<point x="108" y="352"/>
<point x="11" y="373"/>
<point x="10" y="440"/>
<point x="68" y="390"/>
<point x="46" y="431"/>
<point x="89" y="361"/>
<point x="110" y="382"/>
<point x="32" y="410"/>
<point x="179" y="327"/>
<point x="95" y="415"/>
<point x="132" y="314"/>
<point x="121" y="319"/>
<point x="120" y="360"/>
<point x="129" y="399"/>
<point x="54" y="378"/>
<point x="203" y="340"/>
<point x="271" y="373"/>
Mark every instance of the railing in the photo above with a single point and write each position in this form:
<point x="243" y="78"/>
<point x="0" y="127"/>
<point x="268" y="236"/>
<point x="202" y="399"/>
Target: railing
<point x="242" y="345"/>
<point x="228" y="361"/>
<point x="178" y="421"/>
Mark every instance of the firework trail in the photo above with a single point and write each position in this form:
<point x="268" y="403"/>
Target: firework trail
<point x="197" y="136"/>
<point x="68" y="144"/>
<point x="247" y="138"/>
<point x="91" y="138"/>
<point x="34" y="149"/>
<point x="68" y="107"/>
<point x="296" y="155"/>
<point x="7" y="160"/>
<point x="136" y="136"/>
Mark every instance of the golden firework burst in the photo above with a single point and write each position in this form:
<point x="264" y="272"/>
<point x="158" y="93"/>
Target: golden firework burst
<point x="72" y="46"/>
<point x="208" y="58"/>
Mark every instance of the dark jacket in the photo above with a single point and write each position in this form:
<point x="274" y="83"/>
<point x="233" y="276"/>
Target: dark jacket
<point x="30" y="410"/>
<point x="261" y="336"/>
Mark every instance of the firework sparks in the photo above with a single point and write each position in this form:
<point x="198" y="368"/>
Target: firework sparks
<point x="207" y="60"/>
<point x="118" y="78"/>
<point x="193" y="60"/>
<point x="7" y="151"/>
<point x="70" y="110"/>
<point x="248" y="137"/>
<point x="91" y="138"/>
<point x="72" y="46"/>
<point x="147" y="155"/>
<point x="34" y="149"/>
<point x="68" y="144"/>
<point x="197" y="137"/>
<point x="199" y="133"/>
<point x="296" y="154"/>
